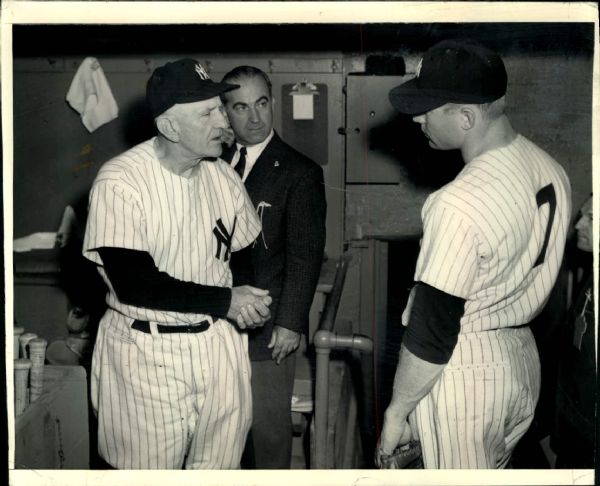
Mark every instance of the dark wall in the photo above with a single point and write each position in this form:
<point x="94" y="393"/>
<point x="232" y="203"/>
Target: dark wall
<point x="56" y="159"/>
<point x="550" y="101"/>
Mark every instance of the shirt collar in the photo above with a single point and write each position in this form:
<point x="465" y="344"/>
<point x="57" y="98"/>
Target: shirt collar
<point x="253" y="151"/>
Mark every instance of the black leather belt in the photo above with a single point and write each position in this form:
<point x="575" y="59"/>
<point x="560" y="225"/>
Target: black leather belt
<point x="144" y="326"/>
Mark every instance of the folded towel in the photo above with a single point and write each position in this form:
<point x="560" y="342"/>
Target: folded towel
<point x="35" y="241"/>
<point x="91" y="96"/>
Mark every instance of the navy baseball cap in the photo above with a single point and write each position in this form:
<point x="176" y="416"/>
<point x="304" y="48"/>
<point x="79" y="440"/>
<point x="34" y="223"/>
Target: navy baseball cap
<point x="182" y="81"/>
<point x="452" y="71"/>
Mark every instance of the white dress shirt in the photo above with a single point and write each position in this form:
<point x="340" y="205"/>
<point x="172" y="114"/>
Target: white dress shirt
<point x="252" y="154"/>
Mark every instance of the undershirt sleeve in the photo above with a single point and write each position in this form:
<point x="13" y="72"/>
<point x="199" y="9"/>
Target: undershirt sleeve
<point x="434" y="324"/>
<point x="137" y="281"/>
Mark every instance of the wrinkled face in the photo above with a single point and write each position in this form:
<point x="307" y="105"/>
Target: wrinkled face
<point x="584" y="227"/>
<point x="441" y="126"/>
<point x="250" y="110"/>
<point x="200" y="125"/>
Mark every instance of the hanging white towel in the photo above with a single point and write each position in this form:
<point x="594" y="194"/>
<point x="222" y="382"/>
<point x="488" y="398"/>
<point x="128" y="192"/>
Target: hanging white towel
<point x="91" y="96"/>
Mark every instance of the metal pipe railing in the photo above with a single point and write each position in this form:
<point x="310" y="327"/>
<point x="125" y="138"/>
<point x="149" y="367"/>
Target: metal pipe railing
<point x="350" y="438"/>
<point x="332" y="303"/>
<point x="326" y="324"/>
<point x="321" y="409"/>
<point x="324" y="342"/>
<point x="330" y="340"/>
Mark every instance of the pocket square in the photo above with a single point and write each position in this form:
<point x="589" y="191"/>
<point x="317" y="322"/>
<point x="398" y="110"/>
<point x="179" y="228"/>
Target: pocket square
<point x="260" y="209"/>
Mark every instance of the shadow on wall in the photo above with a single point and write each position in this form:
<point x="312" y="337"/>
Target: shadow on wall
<point x="403" y="140"/>
<point x="138" y="121"/>
<point x="79" y="277"/>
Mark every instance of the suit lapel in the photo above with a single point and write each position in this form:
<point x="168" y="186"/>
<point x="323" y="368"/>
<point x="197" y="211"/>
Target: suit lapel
<point x="265" y="167"/>
<point x="228" y="153"/>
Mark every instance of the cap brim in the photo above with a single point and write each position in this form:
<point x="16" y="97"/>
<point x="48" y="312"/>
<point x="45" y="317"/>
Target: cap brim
<point x="207" y="92"/>
<point x="224" y="87"/>
<point x="409" y="99"/>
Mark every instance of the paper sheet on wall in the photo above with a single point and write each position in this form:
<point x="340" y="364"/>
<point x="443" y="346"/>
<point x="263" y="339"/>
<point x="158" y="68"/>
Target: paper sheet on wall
<point x="303" y="107"/>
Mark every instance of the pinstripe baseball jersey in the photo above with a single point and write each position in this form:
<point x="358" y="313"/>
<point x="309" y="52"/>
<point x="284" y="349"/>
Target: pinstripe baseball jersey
<point x="189" y="226"/>
<point x="174" y="399"/>
<point x="495" y="235"/>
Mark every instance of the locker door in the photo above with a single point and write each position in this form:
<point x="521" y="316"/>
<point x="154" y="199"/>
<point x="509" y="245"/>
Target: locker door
<point x="390" y="168"/>
<point x="370" y="128"/>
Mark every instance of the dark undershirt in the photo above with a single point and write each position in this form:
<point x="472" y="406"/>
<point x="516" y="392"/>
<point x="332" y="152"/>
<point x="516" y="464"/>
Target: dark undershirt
<point x="434" y="324"/>
<point x="138" y="282"/>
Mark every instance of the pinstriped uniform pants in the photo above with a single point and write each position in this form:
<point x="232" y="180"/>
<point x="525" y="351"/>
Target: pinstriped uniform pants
<point x="168" y="401"/>
<point x="483" y="402"/>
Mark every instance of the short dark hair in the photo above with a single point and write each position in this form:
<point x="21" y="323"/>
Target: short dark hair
<point x="245" y="72"/>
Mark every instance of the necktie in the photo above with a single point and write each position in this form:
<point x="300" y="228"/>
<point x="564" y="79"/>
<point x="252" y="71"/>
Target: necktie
<point x="241" y="165"/>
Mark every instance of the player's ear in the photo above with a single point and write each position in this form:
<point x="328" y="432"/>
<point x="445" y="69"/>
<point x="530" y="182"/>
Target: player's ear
<point x="168" y="127"/>
<point x="468" y="117"/>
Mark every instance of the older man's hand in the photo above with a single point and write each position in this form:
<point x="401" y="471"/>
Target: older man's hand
<point x="249" y="306"/>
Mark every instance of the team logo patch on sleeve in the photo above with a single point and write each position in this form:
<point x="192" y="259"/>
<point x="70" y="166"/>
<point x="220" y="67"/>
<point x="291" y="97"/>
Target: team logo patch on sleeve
<point x="223" y="239"/>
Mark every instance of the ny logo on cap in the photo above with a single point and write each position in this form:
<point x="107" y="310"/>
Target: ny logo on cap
<point x="201" y="72"/>
<point x="419" y="66"/>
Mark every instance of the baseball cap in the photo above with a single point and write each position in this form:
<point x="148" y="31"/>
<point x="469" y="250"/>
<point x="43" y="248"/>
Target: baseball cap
<point x="452" y="71"/>
<point x="182" y="81"/>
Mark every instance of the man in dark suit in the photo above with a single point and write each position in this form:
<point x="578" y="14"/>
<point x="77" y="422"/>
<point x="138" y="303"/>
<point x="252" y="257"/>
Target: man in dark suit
<point x="287" y="190"/>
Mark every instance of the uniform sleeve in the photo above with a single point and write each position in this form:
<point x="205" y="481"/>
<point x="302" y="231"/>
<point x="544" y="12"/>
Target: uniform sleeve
<point x="305" y="243"/>
<point x="115" y="219"/>
<point x="449" y="250"/>
<point x="432" y="330"/>
<point x="138" y="282"/>
<point x="247" y="226"/>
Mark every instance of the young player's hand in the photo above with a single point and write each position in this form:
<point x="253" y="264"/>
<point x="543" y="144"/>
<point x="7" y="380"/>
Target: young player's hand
<point x="395" y="432"/>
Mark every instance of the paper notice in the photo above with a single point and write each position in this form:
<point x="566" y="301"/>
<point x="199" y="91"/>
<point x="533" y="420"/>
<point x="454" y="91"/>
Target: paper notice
<point x="303" y="107"/>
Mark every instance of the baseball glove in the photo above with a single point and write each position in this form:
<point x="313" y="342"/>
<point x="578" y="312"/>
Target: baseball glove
<point x="407" y="456"/>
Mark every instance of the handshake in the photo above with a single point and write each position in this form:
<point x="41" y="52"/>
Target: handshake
<point x="249" y="306"/>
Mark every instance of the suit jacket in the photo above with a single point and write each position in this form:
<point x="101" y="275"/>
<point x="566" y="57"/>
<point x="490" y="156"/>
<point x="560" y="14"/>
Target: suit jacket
<point x="288" y="192"/>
